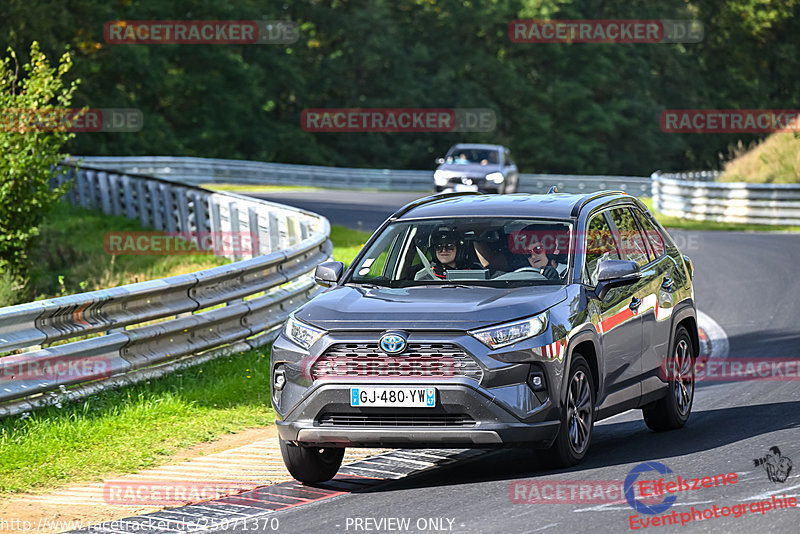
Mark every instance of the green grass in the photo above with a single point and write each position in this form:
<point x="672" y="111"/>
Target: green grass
<point x="775" y="160"/>
<point x="256" y="188"/>
<point x="69" y="257"/>
<point x="141" y="426"/>
<point x="347" y="243"/>
<point x="688" y="224"/>
<point x="136" y="427"/>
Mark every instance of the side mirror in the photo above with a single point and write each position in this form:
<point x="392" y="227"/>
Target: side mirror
<point x="616" y="273"/>
<point x="328" y="273"/>
<point x="439" y="161"/>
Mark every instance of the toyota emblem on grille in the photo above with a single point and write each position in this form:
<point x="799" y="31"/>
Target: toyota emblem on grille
<point x="393" y="342"/>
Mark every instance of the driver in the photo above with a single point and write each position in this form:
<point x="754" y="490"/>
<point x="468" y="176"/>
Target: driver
<point x="541" y="261"/>
<point x="447" y="249"/>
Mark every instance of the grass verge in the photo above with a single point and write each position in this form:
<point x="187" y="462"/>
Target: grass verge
<point x="141" y="426"/>
<point x="69" y="257"/>
<point x="256" y="188"/>
<point x="774" y="160"/>
<point x="135" y="427"/>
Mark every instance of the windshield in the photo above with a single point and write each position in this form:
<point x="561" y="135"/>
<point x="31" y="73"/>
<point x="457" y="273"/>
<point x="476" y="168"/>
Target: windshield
<point x="490" y="251"/>
<point x="472" y="155"/>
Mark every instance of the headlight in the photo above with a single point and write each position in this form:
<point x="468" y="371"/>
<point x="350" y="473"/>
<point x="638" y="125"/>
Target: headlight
<point x="301" y="333"/>
<point x="496" y="177"/>
<point x="500" y="336"/>
<point x="441" y="177"/>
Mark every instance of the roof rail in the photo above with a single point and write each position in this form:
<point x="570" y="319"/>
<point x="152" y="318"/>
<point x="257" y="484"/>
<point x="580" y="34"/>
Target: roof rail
<point x="420" y="201"/>
<point x="593" y="196"/>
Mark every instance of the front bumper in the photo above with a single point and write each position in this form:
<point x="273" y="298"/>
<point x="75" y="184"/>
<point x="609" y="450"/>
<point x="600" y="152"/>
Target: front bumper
<point x="485" y="423"/>
<point x="482" y="187"/>
<point x="498" y="409"/>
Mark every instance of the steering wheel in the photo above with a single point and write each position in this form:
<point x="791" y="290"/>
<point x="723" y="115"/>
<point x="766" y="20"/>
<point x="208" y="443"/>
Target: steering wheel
<point x="425" y="264"/>
<point x="526" y="271"/>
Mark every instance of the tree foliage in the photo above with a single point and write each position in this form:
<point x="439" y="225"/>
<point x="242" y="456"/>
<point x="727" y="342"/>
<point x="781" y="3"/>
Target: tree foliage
<point x="30" y="146"/>
<point x="573" y="108"/>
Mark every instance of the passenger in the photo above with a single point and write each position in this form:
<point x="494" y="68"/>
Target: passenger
<point x="462" y="159"/>
<point x="489" y="250"/>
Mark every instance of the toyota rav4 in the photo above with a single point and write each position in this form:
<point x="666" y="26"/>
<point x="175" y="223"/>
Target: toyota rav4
<point x="472" y="320"/>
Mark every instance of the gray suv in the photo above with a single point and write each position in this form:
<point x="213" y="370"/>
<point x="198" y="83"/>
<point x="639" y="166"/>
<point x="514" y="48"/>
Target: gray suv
<point x="472" y="167"/>
<point x="472" y="320"/>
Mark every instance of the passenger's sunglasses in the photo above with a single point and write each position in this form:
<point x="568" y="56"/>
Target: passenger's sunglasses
<point x="444" y="246"/>
<point x="538" y="249"/>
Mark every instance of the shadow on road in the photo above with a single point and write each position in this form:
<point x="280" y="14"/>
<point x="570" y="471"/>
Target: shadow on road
<point x="620" y="443"/>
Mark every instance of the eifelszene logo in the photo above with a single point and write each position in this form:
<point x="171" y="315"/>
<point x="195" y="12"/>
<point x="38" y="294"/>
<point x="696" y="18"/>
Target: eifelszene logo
<point x="775" y="464"/>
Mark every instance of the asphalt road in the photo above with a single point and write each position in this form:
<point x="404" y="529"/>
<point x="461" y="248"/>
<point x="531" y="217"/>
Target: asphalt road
<point x="747" y="283"/>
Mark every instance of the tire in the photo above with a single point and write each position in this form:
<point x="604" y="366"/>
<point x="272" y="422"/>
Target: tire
<point x="672" y="411"/>
<point x="577" y="417"/>
<point x="311" y="464"/>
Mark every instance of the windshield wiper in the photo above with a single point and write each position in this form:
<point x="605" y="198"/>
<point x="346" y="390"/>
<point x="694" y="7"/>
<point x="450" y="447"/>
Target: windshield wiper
<point x="367" y="285"/>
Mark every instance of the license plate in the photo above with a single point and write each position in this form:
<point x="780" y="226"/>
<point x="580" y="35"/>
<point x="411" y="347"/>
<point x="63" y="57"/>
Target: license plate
<point x="463" y="187"/>
<point x="393" y="397"/>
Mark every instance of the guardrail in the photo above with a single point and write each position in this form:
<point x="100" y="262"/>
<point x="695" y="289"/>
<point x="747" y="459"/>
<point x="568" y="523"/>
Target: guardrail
<point x="226" y="309"/>
<point x="684" y="195"/>
<point x="205" y="170"/>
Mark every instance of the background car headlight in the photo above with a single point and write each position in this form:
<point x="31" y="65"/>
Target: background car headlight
<point x="301" y="333"/>
<point x="496" y="177"/>
<point x="506" y="334"/>
<point x="440" y="177"/>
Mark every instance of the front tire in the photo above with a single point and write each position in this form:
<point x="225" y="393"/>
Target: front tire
<point x="577" y="417"/>
<point x="672" y="411"/>
<point x="311" y="464"/>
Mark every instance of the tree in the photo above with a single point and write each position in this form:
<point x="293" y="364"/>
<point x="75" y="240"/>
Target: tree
<point x="33" y="127"/>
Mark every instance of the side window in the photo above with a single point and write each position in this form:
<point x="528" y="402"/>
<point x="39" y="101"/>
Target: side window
<point x="652" y="234"/>
<point x="509" y="161"/>
<point x="599" y="246"/>
<point x="629" y="237"/>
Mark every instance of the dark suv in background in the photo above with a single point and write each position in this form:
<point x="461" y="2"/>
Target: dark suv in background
<point x="472" y="320"/>
<point x="472" y="167"/>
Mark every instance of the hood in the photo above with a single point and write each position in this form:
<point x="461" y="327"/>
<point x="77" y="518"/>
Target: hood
<point x="469" y="169"/>
<point x="428" y="307"/>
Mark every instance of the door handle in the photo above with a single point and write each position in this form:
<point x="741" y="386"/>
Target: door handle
<point x="667" y="284"/>
<point x="635" y="303"/>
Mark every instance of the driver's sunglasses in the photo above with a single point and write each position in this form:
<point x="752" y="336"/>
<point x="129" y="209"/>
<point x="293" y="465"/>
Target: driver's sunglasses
<point x="538" y="249"/>
<point x="445" y="246"/>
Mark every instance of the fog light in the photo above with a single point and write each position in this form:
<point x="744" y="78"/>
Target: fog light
<point x="279" y="378"/>
<point x="536" y="380"/>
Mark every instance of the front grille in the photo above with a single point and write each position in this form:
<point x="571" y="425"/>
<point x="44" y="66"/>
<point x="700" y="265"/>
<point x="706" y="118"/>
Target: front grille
<point x="396" y="420"/>
<point x="463" y="179"/>
<point x="419" y="361"/>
